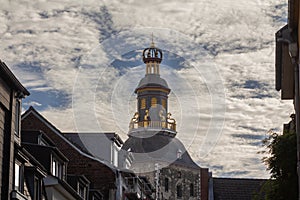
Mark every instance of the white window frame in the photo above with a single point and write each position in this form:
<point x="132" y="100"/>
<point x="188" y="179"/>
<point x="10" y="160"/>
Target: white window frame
<point x="18" y="177"/>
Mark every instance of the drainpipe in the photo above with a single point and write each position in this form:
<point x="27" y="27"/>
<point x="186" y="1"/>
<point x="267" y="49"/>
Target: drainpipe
<point x="210" y="188"/>
<point x="119" y="185"/>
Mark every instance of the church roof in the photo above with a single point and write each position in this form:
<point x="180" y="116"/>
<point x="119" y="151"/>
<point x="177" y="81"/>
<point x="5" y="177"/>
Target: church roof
<point x="153" y="80"/>
<point x="160" y="147"/>
<point x="236" y="188"/>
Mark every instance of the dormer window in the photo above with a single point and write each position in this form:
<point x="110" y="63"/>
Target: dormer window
<point x="37" y="188"/>
<point x="42" y="141"/>
<point x="57" y="168"/>
<point x="179" y="154"/>
<point x="82" y="190"/>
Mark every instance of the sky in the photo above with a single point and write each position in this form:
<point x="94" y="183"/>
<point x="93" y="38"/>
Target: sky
<point x="81" y="61"/>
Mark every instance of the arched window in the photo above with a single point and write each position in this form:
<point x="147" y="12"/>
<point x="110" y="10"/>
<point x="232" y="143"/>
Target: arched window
<point x="153" y="102"/>
<point x="143" y="103"/>
<point x="179" y="190"/>
<point x="164" y="103"/>
<point x="166" y="184"/>
<point x="191" y="189"/>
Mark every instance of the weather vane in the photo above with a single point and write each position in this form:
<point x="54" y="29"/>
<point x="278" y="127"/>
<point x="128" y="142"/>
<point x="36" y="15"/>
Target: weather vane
<point x="152" y="43"/>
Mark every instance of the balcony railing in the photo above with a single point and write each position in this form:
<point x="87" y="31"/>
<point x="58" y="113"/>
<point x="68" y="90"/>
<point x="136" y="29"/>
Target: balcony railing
<point x="137" y="186"/>
<point x="153" y="124"/>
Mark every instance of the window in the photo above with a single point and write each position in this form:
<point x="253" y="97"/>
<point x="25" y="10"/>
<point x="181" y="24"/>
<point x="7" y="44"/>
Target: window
<point x="179" y="154"/>
<point x="42" y="141"/>
<point x="178" y="174"/>
<point x="179" y="190"/>
<point x="57" y="168"/>
<point x="37" y="188"/>
<point x="54" y="171"/>
<point x="143" y="103"/>
<point x="18" y="179"/>
<point x="166" y="184"/>
<point x="191" y="189"/>
<point x="81" y="190"/>
<point x="115" y="152"/>
<point x="153" y="102"/>
<point x="17" y="118"/>
<point x="164" y="103"/>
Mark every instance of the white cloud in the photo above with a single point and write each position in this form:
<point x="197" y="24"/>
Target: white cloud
<point x="44" y="42"/>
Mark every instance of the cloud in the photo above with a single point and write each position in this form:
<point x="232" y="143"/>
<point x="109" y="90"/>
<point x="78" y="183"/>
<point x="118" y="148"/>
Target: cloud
<point x="85" y="56"/>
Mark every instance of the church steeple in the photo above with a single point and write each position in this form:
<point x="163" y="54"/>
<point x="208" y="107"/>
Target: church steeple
<point x="152" y="97"/>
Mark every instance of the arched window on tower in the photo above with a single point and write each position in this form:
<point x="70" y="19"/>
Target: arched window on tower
<point x="164" y="103"/>
<point x="153" y="102"/>
<point x="143" y="103"/>
<point x="152" y="68"/>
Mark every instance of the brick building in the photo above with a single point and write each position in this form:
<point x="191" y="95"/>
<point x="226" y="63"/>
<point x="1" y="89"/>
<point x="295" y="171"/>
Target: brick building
<point x="24" y="174"/>
<point x="55" y="182"/>
<point x="103" y="177"/>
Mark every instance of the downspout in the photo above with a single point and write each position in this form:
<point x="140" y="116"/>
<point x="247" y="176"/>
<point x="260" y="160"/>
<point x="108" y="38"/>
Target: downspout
<point x="210" y="188"/>
<point x="119" y="184"/>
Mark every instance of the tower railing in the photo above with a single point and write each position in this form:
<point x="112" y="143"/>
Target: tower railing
<point x="153" y="124"/>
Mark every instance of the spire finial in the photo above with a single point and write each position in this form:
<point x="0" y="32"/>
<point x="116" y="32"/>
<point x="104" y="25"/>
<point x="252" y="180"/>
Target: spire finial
<point x="152" y="43"/>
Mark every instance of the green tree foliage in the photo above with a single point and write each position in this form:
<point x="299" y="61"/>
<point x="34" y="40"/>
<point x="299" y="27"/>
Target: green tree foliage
<point x="282" y="164"/>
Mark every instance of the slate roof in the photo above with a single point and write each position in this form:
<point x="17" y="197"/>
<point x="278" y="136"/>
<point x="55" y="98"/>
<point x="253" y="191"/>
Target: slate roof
<point x="32" y="111"/>
<point x="236" y="188"/>
<point x="153" y="80"/>
<point x="76" y="139"/>
<point x="159" y="147"/>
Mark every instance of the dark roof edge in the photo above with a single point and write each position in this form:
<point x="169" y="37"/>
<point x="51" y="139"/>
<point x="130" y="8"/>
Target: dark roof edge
<point x="12" y="78"/>
<point x="57" y="132"/>
<point x="116" y="138"/>
<point x="228" y="178"/>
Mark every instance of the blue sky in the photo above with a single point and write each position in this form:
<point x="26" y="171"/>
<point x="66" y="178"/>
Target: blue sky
<point x="81" y="61"/>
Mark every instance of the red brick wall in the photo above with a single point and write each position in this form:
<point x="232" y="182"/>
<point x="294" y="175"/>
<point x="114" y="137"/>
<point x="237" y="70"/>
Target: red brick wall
<point x="100" y="176"/>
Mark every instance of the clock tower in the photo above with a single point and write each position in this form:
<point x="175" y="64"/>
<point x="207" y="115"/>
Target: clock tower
<point x="152" y="98"/>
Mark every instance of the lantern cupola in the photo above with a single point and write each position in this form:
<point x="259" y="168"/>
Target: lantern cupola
<point x="152" y="96"/>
